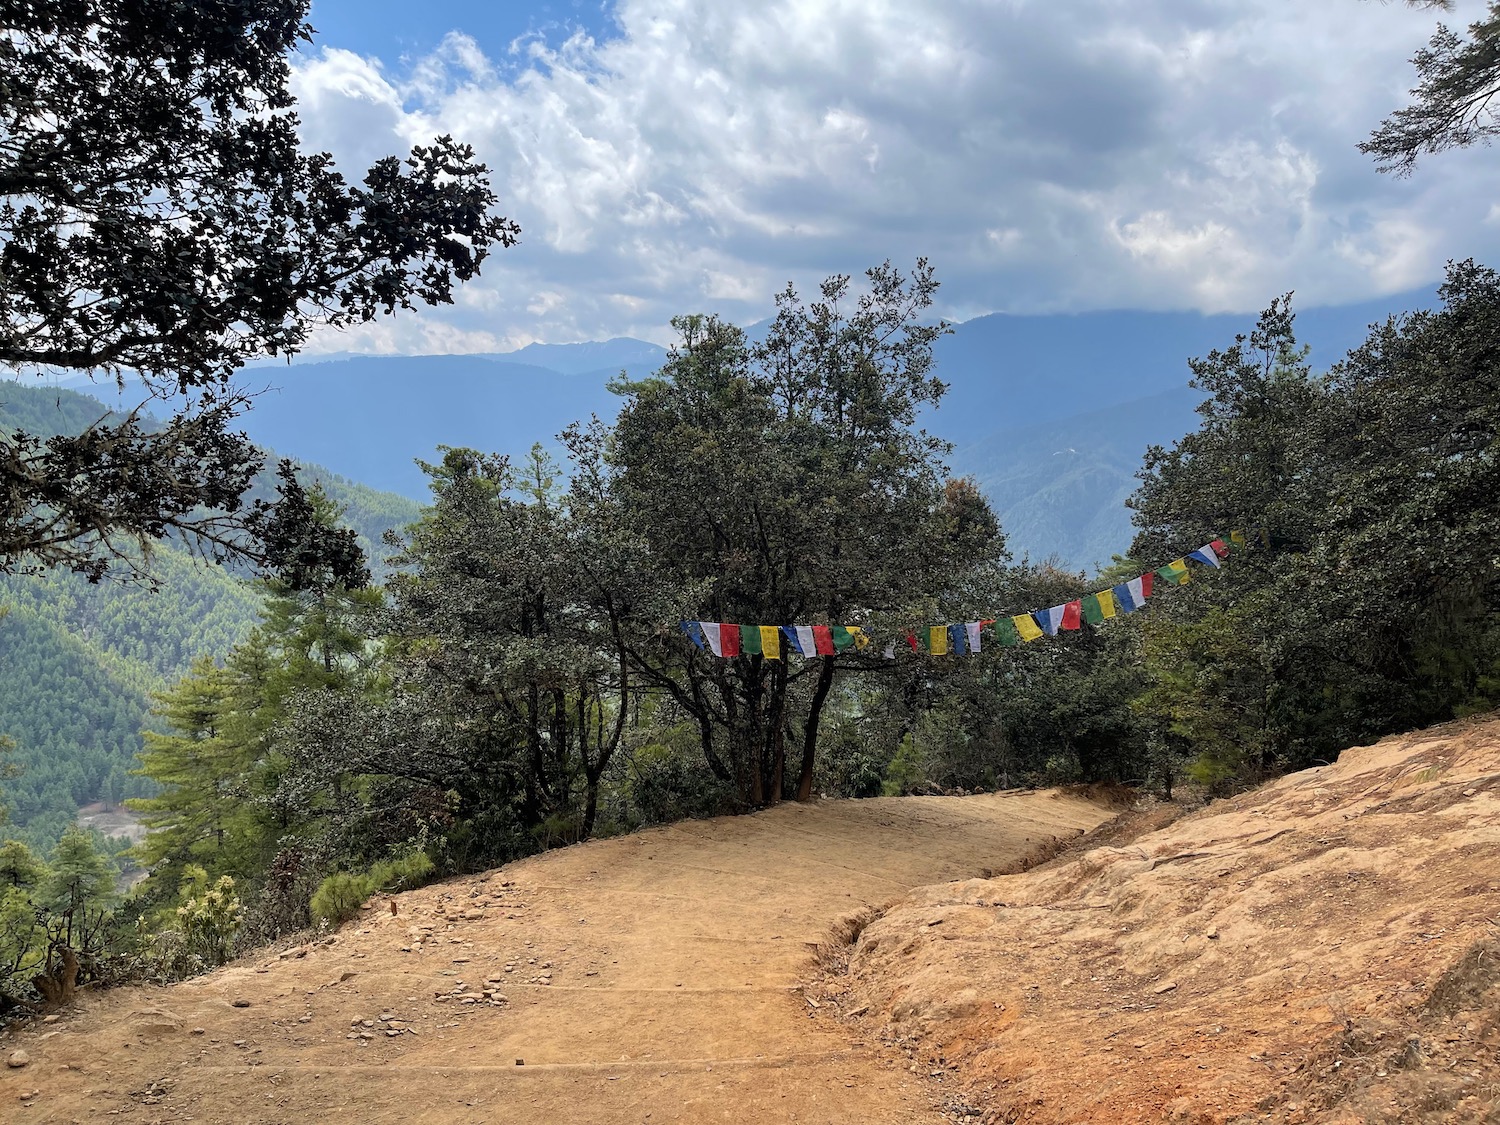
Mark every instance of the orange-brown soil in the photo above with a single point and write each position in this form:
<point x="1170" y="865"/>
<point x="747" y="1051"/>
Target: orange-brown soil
<point x="1324" y="949"/>
<point x="649" y="978"/>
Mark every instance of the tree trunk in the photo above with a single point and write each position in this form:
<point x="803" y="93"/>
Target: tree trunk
<point x="590" y="803"/>
<point x="810" y="734"/>
<point x="60" y="983"/>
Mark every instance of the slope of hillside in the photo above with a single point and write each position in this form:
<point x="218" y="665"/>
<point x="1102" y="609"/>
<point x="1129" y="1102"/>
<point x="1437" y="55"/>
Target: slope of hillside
<point x="78" y="660"/>
<point x="1324" y="949"/>
<point x="648" y="978"/>
<point x="1060" y="488"/>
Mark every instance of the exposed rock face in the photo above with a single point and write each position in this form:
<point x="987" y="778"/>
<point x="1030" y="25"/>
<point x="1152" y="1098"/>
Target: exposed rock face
<point x="1326" y="948"/>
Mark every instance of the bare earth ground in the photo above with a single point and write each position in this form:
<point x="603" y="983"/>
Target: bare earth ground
<point x="1324" y="949"/>
<point x="649" y="978"/>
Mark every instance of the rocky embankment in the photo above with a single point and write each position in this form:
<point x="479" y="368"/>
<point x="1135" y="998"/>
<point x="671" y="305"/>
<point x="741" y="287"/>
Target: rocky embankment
<point x="1323" y="949"/>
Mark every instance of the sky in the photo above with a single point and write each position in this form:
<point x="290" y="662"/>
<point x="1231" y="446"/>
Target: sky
<point x="674" y="156"/>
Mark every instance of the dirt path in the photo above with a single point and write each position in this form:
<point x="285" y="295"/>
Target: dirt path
<point x="645" y="979"/>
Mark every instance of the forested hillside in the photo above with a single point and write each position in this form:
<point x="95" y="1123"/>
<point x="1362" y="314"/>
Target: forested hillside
<point x="79" y="660"/>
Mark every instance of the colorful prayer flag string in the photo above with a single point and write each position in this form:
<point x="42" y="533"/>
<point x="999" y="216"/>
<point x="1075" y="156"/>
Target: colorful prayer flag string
<point x="727" y="640"/>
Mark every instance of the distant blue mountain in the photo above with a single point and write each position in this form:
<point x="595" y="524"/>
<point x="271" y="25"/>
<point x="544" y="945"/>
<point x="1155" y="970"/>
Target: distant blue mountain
<point x="1059" y="487"/>
<point x="1050" y="413"/>
<point x="371" y="417"/>
<point x="579" y="359"/>
<point x="1006" y="372"/>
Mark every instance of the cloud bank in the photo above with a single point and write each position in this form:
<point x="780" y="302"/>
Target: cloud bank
<point x="1162" y="154"/>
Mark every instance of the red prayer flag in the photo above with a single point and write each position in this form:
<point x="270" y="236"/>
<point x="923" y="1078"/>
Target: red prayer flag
<point x="911" y="639"/>
<point x="729" y="639"/>
<point x="1072" y="617"/>
<point x="1146" y="580"/>
<point x="1219" y="548"/>
<point x="823" y="640"/>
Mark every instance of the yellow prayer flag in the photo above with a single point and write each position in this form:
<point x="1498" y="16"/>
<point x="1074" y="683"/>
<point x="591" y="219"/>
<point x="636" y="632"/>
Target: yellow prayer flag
<point x="860" y="640"/>
<point x="1184" y="575"/>
<point x="1028" y="628"/>
<point x="1237" y="538"/>
<point x="937" y="640"/>
<point x="770" y="642"/>
<point x="1107" y="605"/>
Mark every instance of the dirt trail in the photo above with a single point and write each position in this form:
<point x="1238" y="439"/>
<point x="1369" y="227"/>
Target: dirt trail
<point x="649" y="978"/>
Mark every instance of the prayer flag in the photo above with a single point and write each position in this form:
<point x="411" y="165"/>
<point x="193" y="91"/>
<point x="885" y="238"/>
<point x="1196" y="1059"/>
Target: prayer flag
<point x="1236" y="538"/>
<point x="848" y="637"/>
<point x="1071" y="614"/>
<point x="694" y="633"/>
<point x="1006" y="632"/>
<point x="958" y="640"/>
<point x="1133" y="594"/>
<point x="911" y="641"/>
<point x="807" y="644"/>
<point x="823" y="640"/>
<point x="890" y="651"/>
<point x="1026" y="627"/>
<point x="1050" y="619"/>
<point x="937" y="640"/>
<point x="1176" y="572"/>
<point x="729" y="640"/>
<point x="770" y="641"/>
<point x="750" y="640"/>
<point x="973" y="628"/>
<point x="1219" y="548"/>
<point x="710" y="631"/>
<point x="1097" y="608"/>
<point x="1206" y="555"/>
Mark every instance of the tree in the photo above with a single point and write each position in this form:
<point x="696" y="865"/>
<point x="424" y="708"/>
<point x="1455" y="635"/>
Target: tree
<point x="1370" y="605"/>
<point x="159" y="217"/>
<point x="1458" y="79"/>
<point x="199" y="766"/>
<point x="786" y="482"/>
<point x="508" y="681"/>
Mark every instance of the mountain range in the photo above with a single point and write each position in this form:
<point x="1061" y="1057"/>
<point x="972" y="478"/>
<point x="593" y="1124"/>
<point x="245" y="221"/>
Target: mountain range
<point x="1049" y="413"/>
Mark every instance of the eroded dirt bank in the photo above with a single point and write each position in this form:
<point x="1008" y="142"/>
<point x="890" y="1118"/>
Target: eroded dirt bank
<point x="1325" y="949"/>
<point x="649" y="978"/>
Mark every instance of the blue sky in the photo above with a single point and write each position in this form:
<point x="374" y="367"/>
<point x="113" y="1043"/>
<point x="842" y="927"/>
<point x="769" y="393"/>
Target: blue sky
<point x="391" y="29"/>
<point x="671" y="156"/>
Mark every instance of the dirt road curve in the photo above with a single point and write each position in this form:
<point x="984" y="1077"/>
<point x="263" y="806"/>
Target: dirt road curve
<point x="646" y="979"/>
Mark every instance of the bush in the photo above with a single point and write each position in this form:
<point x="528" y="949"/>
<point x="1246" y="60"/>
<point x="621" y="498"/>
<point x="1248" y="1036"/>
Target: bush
<point x="339" y="897"/>
<point x="402" y="872"/>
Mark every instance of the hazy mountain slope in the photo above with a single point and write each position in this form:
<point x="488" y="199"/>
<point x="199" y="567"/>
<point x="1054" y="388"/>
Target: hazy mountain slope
<point x="78" y="661"/>
<point x="1008" y="372"/>
<point x="370" y="418"/>
<point x="1059" y="488"/>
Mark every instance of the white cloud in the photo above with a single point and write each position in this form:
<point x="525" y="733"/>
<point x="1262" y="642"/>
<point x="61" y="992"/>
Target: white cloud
<point x="1157" y="153"/>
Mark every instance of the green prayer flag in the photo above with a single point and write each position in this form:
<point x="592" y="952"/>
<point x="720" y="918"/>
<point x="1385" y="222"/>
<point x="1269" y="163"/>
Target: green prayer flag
<point x="1006" y="634"/>
<point x="842" y="638"/>
<point x="1175" y="573"/>
<point x="750" y="640"/>
<point x="1093" y="612"/>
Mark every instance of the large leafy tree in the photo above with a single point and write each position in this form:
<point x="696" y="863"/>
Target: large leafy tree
<point x="786" y="481"/>
<point x="159" y="217"/>
<point x="1370" y="606"/>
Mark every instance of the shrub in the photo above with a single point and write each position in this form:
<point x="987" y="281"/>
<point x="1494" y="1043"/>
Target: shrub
<point x="339" y="897"/>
